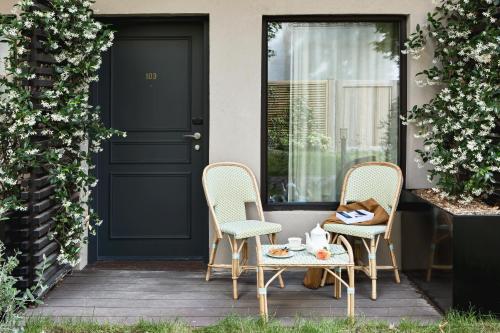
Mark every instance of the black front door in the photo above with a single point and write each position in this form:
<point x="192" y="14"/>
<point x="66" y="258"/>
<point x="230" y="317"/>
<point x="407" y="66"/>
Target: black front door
<point x="153" y="85"/>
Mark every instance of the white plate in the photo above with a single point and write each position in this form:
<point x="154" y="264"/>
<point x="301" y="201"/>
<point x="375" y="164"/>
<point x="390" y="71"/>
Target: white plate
<point x="302" y="247"/>
<point x="290" y="254"/>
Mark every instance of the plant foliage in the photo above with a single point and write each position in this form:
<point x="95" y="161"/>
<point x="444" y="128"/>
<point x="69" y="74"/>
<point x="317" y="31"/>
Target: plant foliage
<point x="457" y="124"/>
<point x="55" y="134"/>
<point x="12" y="302"/>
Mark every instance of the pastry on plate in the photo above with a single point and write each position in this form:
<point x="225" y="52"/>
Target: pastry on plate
<point x="278" y="252"/>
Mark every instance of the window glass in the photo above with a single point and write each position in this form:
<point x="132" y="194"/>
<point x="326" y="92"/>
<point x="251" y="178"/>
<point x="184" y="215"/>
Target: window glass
<point x="332" y="102"/>
<point x="3" y="54"/>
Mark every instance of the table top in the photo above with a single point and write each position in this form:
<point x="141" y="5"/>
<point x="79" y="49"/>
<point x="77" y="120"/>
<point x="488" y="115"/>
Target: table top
<point x="339" y="257"/>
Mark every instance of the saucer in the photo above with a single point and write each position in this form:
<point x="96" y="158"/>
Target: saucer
<point x="302" y="247"/>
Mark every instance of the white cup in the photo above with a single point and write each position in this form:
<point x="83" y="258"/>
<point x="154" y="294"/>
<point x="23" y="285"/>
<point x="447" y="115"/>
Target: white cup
<point x="294" y="242"/>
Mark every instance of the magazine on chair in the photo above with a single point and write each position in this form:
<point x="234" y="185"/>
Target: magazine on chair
<point x="355" y="216"/>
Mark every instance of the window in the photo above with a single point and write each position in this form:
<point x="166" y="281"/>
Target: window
<point x="332" y="96"/>
<point x="3" y="54"/>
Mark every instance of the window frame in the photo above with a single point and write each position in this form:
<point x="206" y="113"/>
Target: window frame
<point x="266" y="19"/>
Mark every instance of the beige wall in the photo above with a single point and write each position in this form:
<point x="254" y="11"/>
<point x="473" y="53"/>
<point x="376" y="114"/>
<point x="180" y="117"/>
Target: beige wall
<point x="235" y="56"/>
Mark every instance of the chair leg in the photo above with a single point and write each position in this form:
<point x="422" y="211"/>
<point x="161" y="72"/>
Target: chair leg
<point x="281" y="282"/>
<point x="245" y="253"/>
<point x="257" y="272"/>
<point x="235" y="266"/>
<point x="350" y="293"/>
<point x="394" y="262"/>
<point x="272" y="239"/>
<point x="357" y="252"/>
<point x="372" y="258"/>
<point x="323" y="278"/>
<point x="211" y="260"/>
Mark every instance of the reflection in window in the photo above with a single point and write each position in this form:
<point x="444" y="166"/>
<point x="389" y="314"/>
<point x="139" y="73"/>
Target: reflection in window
<point x="333" y="101"/>
<point x="3" y="54"/>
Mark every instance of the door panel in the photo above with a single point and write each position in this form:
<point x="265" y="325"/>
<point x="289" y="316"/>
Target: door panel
<point x="157" y="80"/>
<point x="153" y="85"/>
<point x="150" y="202"/>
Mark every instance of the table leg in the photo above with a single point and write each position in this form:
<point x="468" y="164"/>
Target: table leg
<point x="272" y="240"/>
<point x="337" y="292"/>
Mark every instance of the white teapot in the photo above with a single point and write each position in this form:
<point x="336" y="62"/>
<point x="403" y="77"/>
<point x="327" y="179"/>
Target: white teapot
<point x="318" y="239"/>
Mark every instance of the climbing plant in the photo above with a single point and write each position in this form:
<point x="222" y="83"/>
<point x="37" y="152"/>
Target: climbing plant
<point x="60" y="130"/>
<point x="457" y="124"/>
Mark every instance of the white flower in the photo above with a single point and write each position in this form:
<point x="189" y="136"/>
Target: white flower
<point x="58" y="117"/>
<point x="45" y="104"/>
<point x="78" y="133"/>
<point x="465" y="199"/>
<point x="26" y="3"/>
<point x="472" y="145"/>
<point x="484" y="58"/>
<point x="89" y="35"/>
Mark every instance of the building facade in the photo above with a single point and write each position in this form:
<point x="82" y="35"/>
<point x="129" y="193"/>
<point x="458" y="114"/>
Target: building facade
<point x="297" y="90"/>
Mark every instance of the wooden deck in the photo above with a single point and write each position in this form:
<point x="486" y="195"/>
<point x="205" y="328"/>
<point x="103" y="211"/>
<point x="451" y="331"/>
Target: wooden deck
<point x="126" y="296"/>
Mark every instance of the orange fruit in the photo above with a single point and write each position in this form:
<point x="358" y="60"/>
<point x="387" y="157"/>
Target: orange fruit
<point x="323" y="254"/>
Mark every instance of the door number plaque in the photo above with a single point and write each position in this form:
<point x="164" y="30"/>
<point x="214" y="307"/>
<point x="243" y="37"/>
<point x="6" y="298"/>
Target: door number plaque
<point x="151" y="76"/>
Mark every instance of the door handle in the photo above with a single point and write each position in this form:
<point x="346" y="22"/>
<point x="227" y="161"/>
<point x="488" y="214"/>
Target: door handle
<point x="196" y="136"/>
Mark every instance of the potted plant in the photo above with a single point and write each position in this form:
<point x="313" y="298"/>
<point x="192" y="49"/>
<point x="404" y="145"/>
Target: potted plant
<point x="460" y="129"/>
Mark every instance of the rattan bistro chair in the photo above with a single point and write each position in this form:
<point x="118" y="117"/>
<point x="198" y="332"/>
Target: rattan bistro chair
<point x="228" y="188"/>
<point x="381" y="181"/>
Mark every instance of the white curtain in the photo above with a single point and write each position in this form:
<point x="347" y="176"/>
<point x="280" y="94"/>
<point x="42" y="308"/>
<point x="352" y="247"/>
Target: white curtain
<point x="360" y="83"/>
<point x="308" y="142"/>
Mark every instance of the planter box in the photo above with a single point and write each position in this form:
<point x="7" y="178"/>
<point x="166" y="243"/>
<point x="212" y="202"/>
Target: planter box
<point x="476" y="262"/>
<point x="468" y="254"/>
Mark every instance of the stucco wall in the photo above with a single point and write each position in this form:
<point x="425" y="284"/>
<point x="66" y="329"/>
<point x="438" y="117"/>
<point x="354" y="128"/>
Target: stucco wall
<point x="235" y="56"/>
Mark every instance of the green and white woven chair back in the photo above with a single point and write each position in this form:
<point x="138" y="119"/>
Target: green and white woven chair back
<point x="229" y="187"/>
<point x="380" y="182"/>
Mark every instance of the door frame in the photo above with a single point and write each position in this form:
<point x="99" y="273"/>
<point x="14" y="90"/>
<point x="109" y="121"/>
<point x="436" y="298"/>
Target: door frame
<point x="94" y="98"/>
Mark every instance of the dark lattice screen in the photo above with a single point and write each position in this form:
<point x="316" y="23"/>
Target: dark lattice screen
<point x="28" y="232"/>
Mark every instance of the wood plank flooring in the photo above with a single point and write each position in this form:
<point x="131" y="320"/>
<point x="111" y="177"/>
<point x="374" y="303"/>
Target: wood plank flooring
<point x="126" y="296"/>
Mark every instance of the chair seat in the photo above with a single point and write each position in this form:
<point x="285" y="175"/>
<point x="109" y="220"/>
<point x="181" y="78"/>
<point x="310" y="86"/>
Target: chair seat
<point x="363" y="231"/>
<point x="249" y="228"/>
